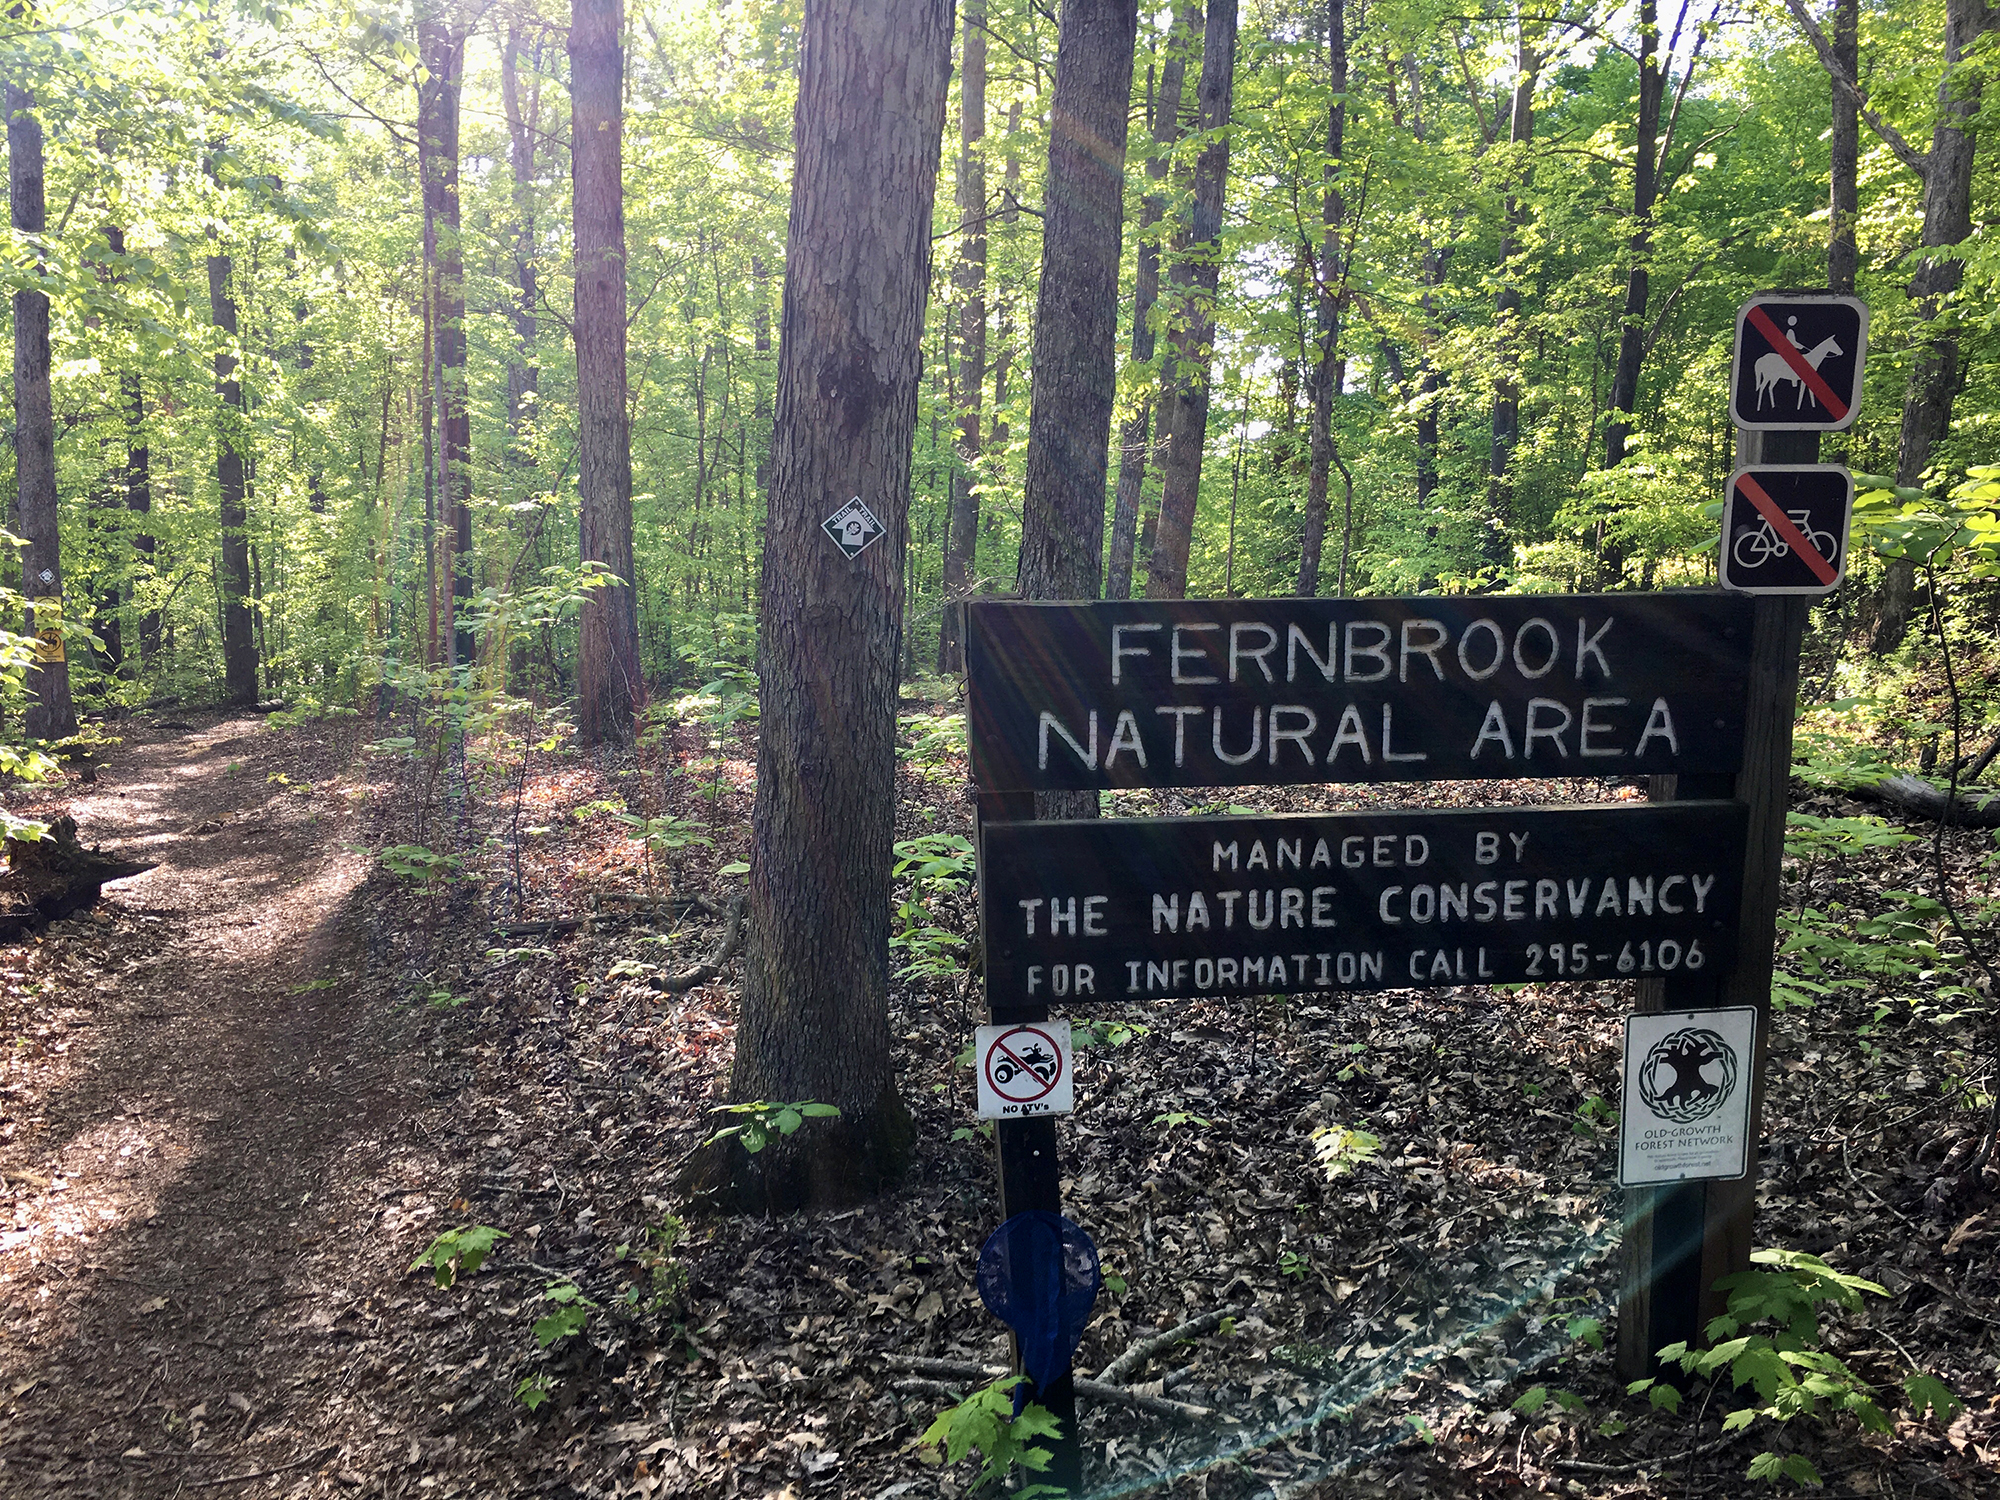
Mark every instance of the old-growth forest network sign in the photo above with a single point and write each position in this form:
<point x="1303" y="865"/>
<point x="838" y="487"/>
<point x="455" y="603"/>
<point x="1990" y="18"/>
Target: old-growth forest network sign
<point x="1686" y="1109"/>
<point x="1281" y="691"/>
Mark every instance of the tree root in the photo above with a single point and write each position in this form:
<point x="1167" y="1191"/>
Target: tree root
<point x="701" y="973"/>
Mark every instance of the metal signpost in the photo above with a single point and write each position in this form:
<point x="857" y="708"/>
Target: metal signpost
<point x="1693" y="689"/>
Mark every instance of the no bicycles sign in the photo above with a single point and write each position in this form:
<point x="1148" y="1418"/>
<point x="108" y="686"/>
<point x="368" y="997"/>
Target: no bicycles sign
<point x="1024" y="1070"/>
<point x="1784" y="529"/>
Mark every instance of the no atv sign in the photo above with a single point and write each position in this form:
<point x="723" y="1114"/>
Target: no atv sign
<point x="1798" y="361"/>
<point x="1688" y="1082"/>
<point x="1024" y="1070"/>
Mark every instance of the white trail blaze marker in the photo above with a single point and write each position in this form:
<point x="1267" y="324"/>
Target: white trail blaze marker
<point x="854" y="528"/>
<point x="1686" y="1111"/>
<point x="1024" y="1070"/>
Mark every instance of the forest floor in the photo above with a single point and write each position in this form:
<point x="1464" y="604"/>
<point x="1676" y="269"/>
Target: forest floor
<point x="240" y="1096"/>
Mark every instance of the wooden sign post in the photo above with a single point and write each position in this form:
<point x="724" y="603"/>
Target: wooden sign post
<point x="1692" y="689"/>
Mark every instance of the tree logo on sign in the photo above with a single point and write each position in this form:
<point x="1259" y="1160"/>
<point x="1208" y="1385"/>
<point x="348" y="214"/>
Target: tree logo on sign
<point x="1688" y="1075"/>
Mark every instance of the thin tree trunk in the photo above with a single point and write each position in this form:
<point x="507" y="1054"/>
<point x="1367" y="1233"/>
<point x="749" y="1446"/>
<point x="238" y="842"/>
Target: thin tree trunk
<point x="1184" y="404"/>
<point x="608" y="684"/>
<point x="523" y="123"/>
<point x="1844" y="197"/>
<point x="1507" y="302"/>
<point x="1135" y="437"/>
<point x="962" y="521"/>
<point x="1645" y="179"/>
<point x="1934" y="375"/>
<point x="239" y="642"/>
<point x="813" y="1019"/>
<point x="138" y="480"/>
<point x="50" y="713"/>
<point x="1074" y="374"/>
<point x="442" y="47"/>
<point x="1329" y="284"/>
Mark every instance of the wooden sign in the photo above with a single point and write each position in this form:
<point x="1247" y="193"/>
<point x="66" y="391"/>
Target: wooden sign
<point x="1242" y="692"/>
<point x="1149" y="908"/>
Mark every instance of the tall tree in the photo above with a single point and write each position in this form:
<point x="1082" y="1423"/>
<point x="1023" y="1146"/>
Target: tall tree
<point x="813" y="1021"/>
<point x="1935" y="373"/>
<point x="441" y="46"/>
<point x="1074" y="378"/>
<point x="1844" y="153"/>
<point x="1329" y="280"/>
<point x="524" y="123"/>
<point x="1135" y="437"/>
<point x="50" y="713"/>
<point x="962" y="522"/>
<point x="1639" y="241"/>
<point x="232" y="441"/>
<point x="608" y="684"/>
<point x="1528" y="60"/>
<point x="1195" y="276"/>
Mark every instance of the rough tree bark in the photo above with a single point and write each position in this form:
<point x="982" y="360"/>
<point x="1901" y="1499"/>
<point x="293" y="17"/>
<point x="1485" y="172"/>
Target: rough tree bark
<point x="813" y="1021"/>
<point x="50" y="713"/>
<point x="441" y="44"/>
<point x="608" y="685"/>
<point x="1329" y="284"/>
<point x="1074" y="377"/>
<point x="1135" y="437"/>
<point x="1935" y="373"/>
<point x="1184" y="404"/>
<point x="239" y="640"/>
<point x="962" y="525"/>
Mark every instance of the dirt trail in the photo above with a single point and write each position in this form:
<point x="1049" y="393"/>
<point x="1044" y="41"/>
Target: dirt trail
<point x="196" y="1075"/>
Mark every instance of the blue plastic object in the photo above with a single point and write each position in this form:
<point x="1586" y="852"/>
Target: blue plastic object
<point x="1038" y="1274"/>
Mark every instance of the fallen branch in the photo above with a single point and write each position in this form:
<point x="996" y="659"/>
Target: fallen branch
<point x="1146" y="1348"/>
<point x="701" y="973"/>
<point x="1926" y="799"/>
<point x="1089" y="1390"/>
<point x="1665" y="1460"/>
<point x="209" y="1484"/>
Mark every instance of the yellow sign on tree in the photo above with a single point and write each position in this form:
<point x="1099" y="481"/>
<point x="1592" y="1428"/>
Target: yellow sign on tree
<point x="48" y="629"/>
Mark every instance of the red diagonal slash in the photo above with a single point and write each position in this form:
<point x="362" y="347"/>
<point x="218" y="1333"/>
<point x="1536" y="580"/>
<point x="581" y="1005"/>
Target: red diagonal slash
<point x="1787" y="532"/>
<point x="1761" y="321"/>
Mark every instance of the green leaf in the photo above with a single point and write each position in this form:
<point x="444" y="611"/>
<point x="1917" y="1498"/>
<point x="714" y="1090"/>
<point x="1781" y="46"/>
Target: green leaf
<point x="1926" y="1393"/>
<point x="1532" y="1400"/>
<point x="1739" y="1419"/>
<point x="1589" y="1330"/>
<point x="1665" y="1398"/>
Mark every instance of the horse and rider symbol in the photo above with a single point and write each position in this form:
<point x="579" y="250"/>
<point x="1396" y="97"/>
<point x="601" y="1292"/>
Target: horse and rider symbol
<point x="1797" y="364"/>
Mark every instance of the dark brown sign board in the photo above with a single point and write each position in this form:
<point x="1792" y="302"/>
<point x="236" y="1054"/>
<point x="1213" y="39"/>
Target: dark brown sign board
<point x="1142" y="909"/>
<point x="1242" y="692"/>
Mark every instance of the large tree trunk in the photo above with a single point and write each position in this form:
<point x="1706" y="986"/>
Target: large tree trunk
<point x="608" y="685"/>
<point x="962" y="524"/>
<point x="50" y="713"/>
<point x="1075" y="366"/>
<point x="813" y="1022"/>
<point x="442" y="47"/>
<point x="1184" y="406"/>
<point x="524" y="118"/>
<point x="232" y="441"/>
<point x="1507" y="302"/>
<point x="1645" y="182"/>
<point x="1934" y="375"/>
<point x="138" y="474"/>
<point x="1135" y="437"/>
<point x="1329" y="284"/>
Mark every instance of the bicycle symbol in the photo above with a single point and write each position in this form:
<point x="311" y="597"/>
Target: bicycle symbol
<point x="1755" y="548"/>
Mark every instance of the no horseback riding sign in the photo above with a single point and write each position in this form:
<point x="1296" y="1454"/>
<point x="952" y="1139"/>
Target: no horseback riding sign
<point x="1688" y="1080"/>
<point x="1798" y="360"/>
